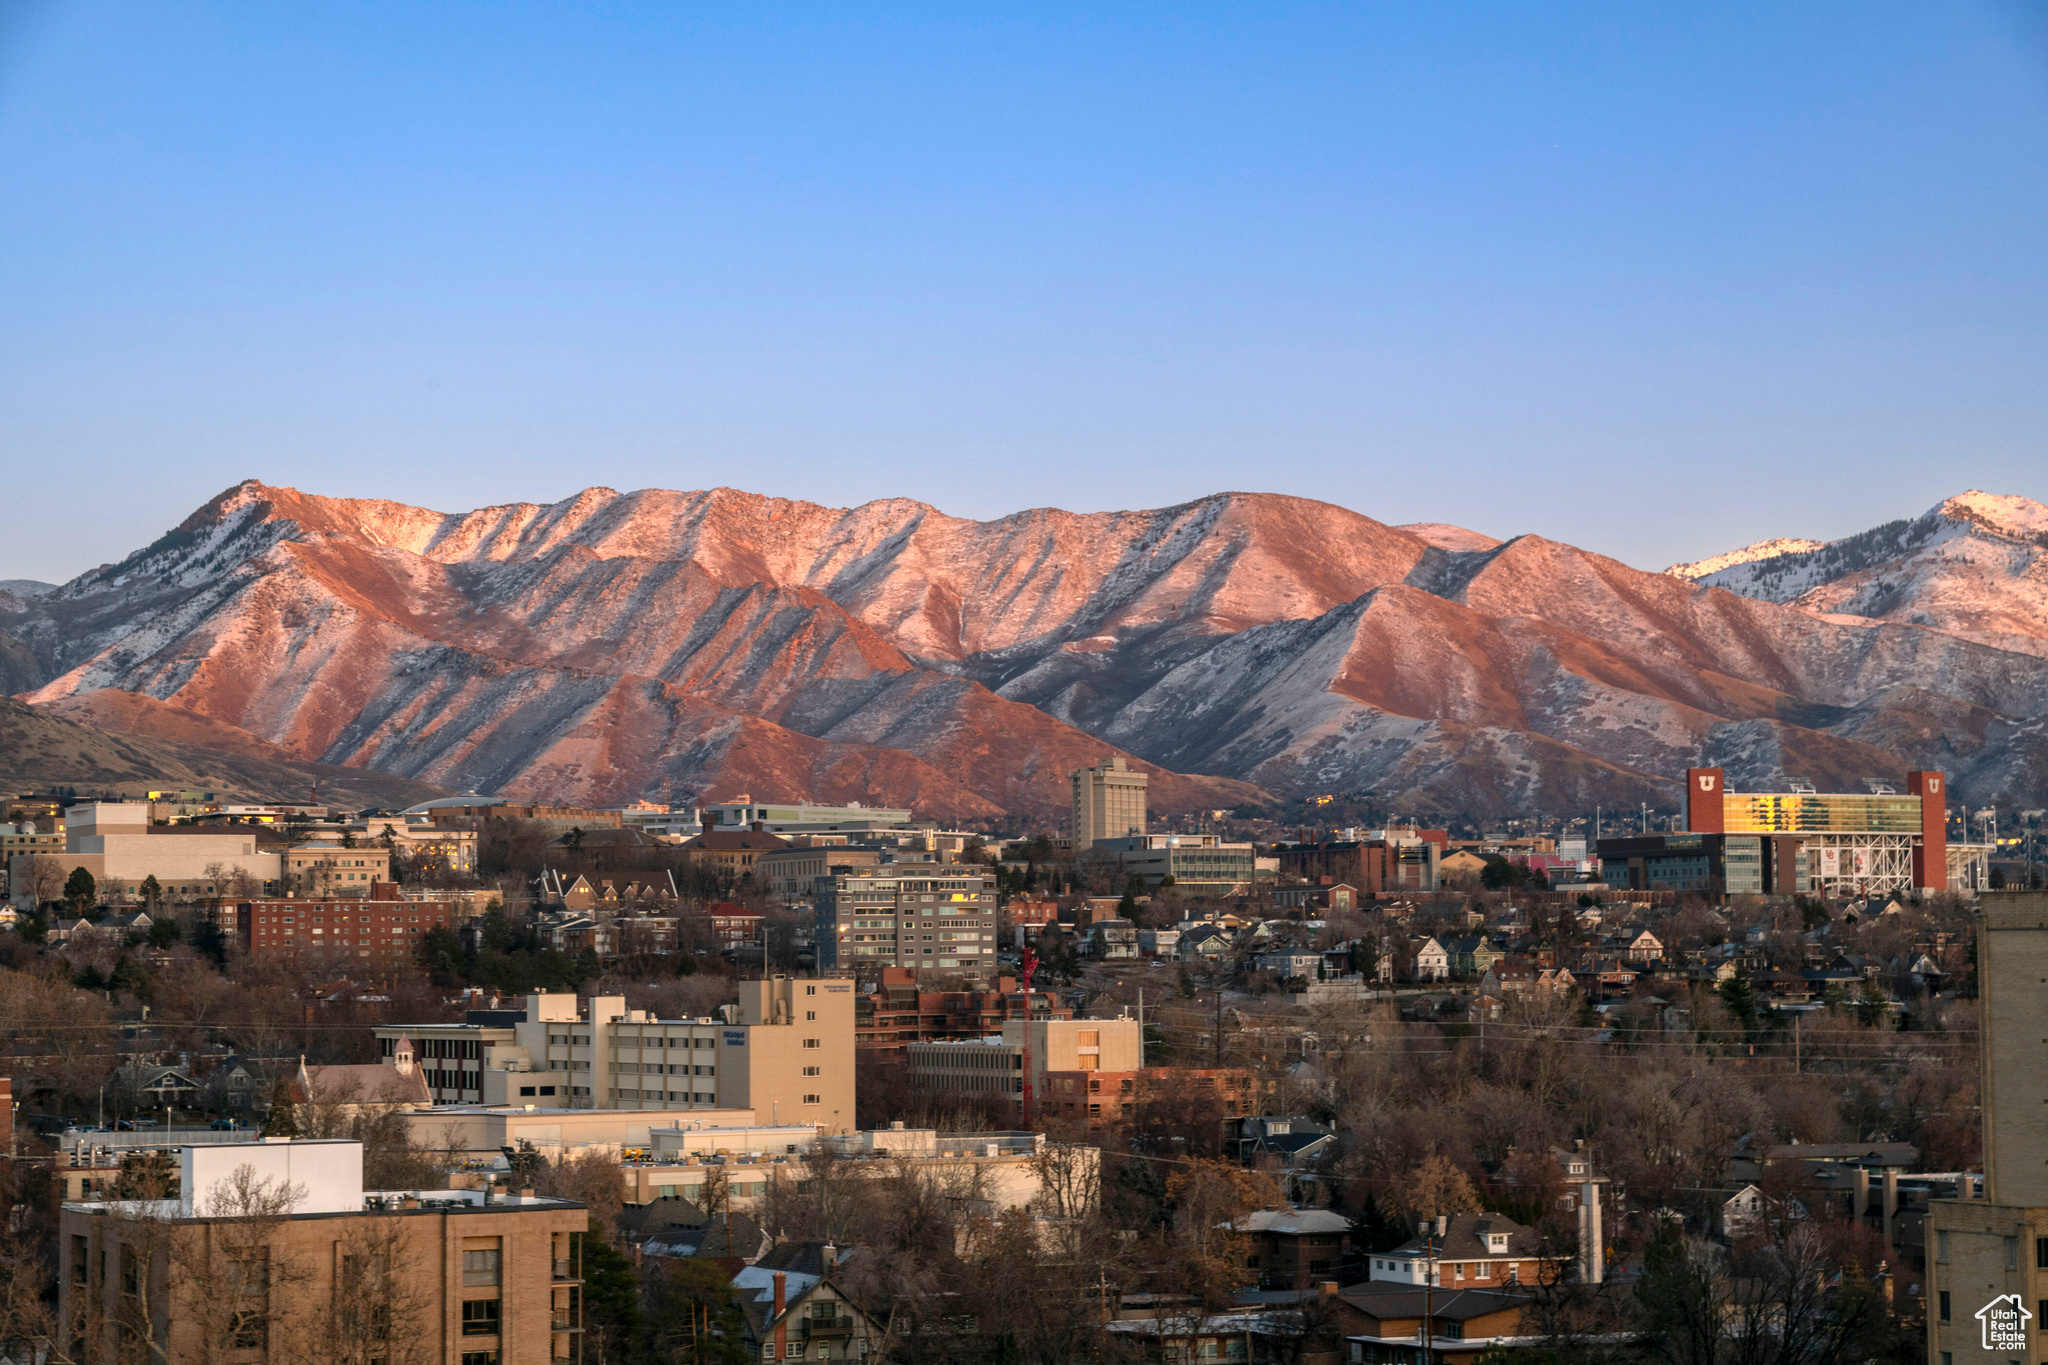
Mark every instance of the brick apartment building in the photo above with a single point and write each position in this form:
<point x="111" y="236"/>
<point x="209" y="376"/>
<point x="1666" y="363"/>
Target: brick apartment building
<point x="1106" y="1098"/>
<point x="380" y="930"/>
<point x="455" y="1277"/>
<point x="896" y="1013"/>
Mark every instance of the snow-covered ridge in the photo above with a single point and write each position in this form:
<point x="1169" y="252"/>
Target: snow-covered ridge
<point x="1748" y="554"/>
<point x="1445" y="536"/>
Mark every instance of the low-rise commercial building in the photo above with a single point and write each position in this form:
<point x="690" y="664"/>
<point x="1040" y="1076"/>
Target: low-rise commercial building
<point x="1198" y="864"/>
<point x="802" y="817"/>
<point x="488" y="1129"/>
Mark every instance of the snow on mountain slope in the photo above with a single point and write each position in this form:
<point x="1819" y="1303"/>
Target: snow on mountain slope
<point x="622" y="644"/>
<point x="321" y="625"/>
<point x="1447" y="537"/>
<point x="1975" y="565"/>
<point x="1748" y="554"/>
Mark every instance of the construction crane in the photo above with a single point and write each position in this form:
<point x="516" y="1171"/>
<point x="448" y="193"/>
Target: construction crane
<point x="1025" y="969"/>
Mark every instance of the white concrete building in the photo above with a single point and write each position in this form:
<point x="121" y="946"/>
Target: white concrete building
<point x="115" y="842"/>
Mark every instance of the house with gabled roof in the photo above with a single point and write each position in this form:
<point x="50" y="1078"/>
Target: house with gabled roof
<point x="796" y="1306"/>
<point x="1474" y="1251"/>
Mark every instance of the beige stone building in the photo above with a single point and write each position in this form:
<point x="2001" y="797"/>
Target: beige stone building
<point x="272" y="1250"/>
<point x="786" y="1054"/>
<point x="115" y="842"/>
<point x="1987" y="1275"/>
<point x="321" y="868"/>
<point x="1109" y="802"/>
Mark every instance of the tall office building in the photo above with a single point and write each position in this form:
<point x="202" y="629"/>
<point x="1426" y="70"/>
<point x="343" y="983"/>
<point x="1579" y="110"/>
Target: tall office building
<point x="1988" y="1277"/>
<point x="1109" y="802"/>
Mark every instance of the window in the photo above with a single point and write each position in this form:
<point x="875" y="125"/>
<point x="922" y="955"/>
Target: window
<point x="1944" y="1305"/>
<point x="480" y="1317"/>
<point x="813" y="1042"/>
<point x="2041" y="1253"/>
<point x="479" y="1358"/>
<point x="1941" y="1247"/>
<point x="2012" y="1253"/>
<point x="811" y="1015"/>
<point x="480" y="1260"/>
<point x="813" y="1070"/>
<point x="811" y="1099"/>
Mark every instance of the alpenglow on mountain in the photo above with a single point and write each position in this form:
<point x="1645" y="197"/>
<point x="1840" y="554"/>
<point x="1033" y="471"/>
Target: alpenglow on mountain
<point x="1241" y="647"/>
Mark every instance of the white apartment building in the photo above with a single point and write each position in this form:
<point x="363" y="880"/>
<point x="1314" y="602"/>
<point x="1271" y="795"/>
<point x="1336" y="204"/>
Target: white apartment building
<point x="786" y="1053"/>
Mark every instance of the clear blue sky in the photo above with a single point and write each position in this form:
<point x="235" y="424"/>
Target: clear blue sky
<point x="1658" y="285"/>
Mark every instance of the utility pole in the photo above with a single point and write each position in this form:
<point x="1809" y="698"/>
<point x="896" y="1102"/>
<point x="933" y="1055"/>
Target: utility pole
<point x="1219" y="1025"/>
<point x="1428" y="1291"/>
<point x="1795" y="1042"/>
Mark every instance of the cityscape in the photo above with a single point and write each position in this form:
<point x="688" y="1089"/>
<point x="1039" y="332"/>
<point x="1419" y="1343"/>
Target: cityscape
<point x="1145" y="685"/>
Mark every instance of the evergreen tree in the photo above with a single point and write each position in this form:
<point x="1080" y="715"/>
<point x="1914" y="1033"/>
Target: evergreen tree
<point x="152" y="892"/>
<point x="1871" y="1005"/>
<point x="282" y="1118"/>
<point x="1740" y="1000"/>
<point x="209" y="941"/>
<point x="1374" y="1230"/>
<point x="80" y="890"/>
<point x="611" y="1297"/>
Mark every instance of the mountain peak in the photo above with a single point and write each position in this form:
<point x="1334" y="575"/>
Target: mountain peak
<point x="2003" y="514"/>
<point x="1445" y="536"/>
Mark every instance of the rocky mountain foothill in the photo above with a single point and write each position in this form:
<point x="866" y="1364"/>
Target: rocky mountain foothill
<point x="1243" y="648"/>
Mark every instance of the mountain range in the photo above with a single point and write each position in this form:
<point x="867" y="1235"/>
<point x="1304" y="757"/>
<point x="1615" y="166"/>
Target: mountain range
<point x="1242" y="647"/>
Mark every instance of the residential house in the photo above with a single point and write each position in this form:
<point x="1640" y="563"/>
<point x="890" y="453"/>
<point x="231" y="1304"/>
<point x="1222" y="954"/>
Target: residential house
<point x="1294" y="1248"/>
<point x="1294" y="1142"/>
<point x="1739" y="1212"/>
<point x="1113" y="939"/>
<point x="1290" y="962"/>
<point x="1202" y="942"/>
<point x="154" y="1086"/>
<point x="1158" y="942"/>
<point x="1325" y="896"/>
<point x="1475" y="1251"/>
<point x="795" y="1306"/>
<point x="731" y="925"/>
<point x="1432" y="960"/>
<point x="1470" y="957"/>
<point x="1384" y="1323"/>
